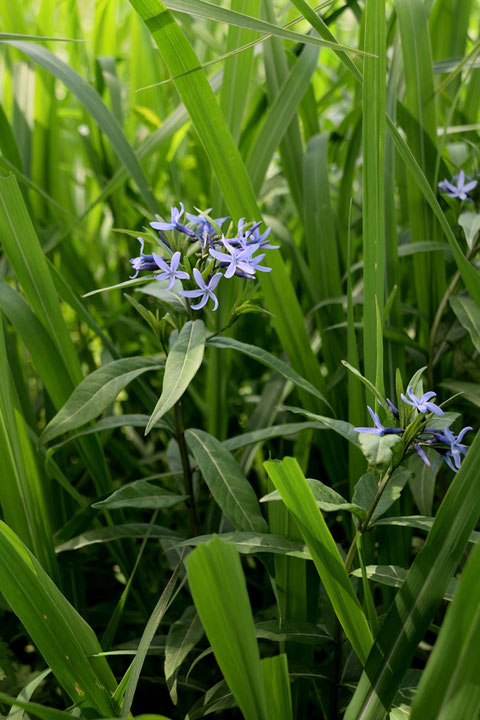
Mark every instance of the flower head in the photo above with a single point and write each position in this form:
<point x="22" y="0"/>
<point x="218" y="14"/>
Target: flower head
<point x="174" y="223"/>
<point x="452" y="454"/>
<point x="252" y="236"/>
<point x="142" y="262"/>
<point x="422" y="404"/>
<point x="205" y="289"/>
<point x="170" y="272"/>
<point x="458" y="188"/>
<point x="379" y="429"/>
<point x="235" y="259"/>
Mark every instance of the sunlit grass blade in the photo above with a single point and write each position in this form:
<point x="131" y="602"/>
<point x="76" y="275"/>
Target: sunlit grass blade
<point x="374" y="108"/>
<point x="220" y="593"/>
<point x="277" y="688"/>
<point x="97" y="109"/>
<point x="420" y="594"/>
<point x="292" y="486"/>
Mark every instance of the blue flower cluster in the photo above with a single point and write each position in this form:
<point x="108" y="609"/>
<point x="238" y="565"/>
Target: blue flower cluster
<point x="460" y="186"/>
<point x="218" y="256"/>
<point x="449" y="446"/>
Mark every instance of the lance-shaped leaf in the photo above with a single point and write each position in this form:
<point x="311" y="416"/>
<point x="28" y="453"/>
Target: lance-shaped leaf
<point x="277" y="688"/>
<point x="140" y="494"/>
<point x="248" y="543"/>
<point x="468" y="313"/>
<point x="182" y="637"/>
<point x="64" y="639"/>
<point x="450" y="684"/>
<point x="95" y="393"/>
<point x="226" y="482"/>
<point x="269" y="360"/>
<point x="290" y="482"/>
<point x="220" y="593"/>
<point x="183" y="362"/>
<point x="418" y="598"/>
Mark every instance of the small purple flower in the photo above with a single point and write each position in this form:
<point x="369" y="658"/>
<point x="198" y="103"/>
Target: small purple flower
<point x="205" y="225"/>
<point x="378" y="429"/>
<point x="170" y="272"/>
<point x="252" y="236"/>
<point x="205" y="291"/>
<point x="236" y="259"/>
<point x="422" y="404"/>
<point x="174" y="223"/>
<point x="454" y="451"/>
<point x="142" y="262"/>
<point x="459" y="190"/>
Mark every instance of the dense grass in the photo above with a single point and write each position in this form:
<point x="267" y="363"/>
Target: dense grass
<point x="134" y="429"/>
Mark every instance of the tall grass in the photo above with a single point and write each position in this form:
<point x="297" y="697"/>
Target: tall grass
<point x="133" y="430"/>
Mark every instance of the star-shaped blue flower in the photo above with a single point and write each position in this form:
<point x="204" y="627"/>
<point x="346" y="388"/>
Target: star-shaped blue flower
<point x="454" y="451"/>
<point x="422" y="404"/>
<point x="174" y="223"/>
<point x="379" y="429"/>
<point x="203" y="225"/>
<point x="205" y="291"/>
<point x="142" y="262"/>
<point x="459" y="190"/>
<point x="170" y="272"/>
<point x="236" y="258"/>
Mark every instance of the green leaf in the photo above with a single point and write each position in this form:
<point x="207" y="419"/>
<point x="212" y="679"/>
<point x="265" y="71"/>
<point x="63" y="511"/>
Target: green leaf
<point x="96" y="108"/>
<point x="450" y="687"/>
<point x="277" y="688"/>
<point x="470" y="391"/>
<point x="183" y="362"/>
<point x="297" y="496"/>
<point x="268" y="433"/>
<point x="220" y="593"/>
<point x="64" y="639"/>
<point x="228" y="485"/>
<point x="291" y="631"/>
<point x="415" y="604"/>
<point x="140" y="494"/>
<point x="108" y="534"/>
<point x="248" y="543"/>
<point x="327" y="499"/>
<point x="95" y="393"/>
<point x="395" y="576"/>
<point x="341" y="427"/>
<point x="378" y="449"/>
<point x="267" y="359"/>
<point x="422" y="481"/>
<point x="420" y="523"/>
<point x="182" y="637"/>
<point x="468" y="313"/>
<point x="470" y="223"/>
<point x="366" y="489"/>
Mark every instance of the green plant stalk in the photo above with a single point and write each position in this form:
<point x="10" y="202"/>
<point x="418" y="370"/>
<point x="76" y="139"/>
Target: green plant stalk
<point x="187" y="470"/>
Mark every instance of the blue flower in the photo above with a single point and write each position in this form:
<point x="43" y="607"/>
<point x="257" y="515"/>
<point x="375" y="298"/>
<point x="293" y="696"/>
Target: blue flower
<point x="459" y="190"/>
<point x="378" y="429"/>
<point x="422" y="404"/>
<point x="142" y="262"/>
<point x="454" y="451"/>
<point x="204" y="225"/>
<point x="252" y="236"/>
<point x="393" y="408"/>
<point x="421" y="454"/>
<point x="174" y="223"/>
<point x="205" y="291"/>
<point x="236" y="259"/>
<point x="170" y="272"/>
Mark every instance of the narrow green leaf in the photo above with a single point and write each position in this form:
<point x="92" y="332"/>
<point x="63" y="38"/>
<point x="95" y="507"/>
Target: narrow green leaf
<point x="228" y="485"/>
<point x="269" y="360"/>
<point x="297" y="496"/>
<point x="468" y="313"/>
<point x="450" y="687"/>
<point x="420" y="523"/>
<point x="183" y="362"/>
<point x="182" y="637"/>
<point x="65" y="640"/>
<point x="277" y="688"/>
<point x="327" y="499"/>
<point x="95" y="393"/>
<point x="140" y="494"/>
<point x="95" y="106"/>
<point x="341" y="427"/>
<point x="395" y="576"/>
<point x="469" y="390"/>
<point x="109" y="534"/>
<point x="294" y="631"/>
<point x="248" y="543"/>
<point x="250" y="438"/>
<point x="220" y="593"/>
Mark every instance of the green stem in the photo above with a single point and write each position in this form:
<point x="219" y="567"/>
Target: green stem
<point x="187" y="470"/>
